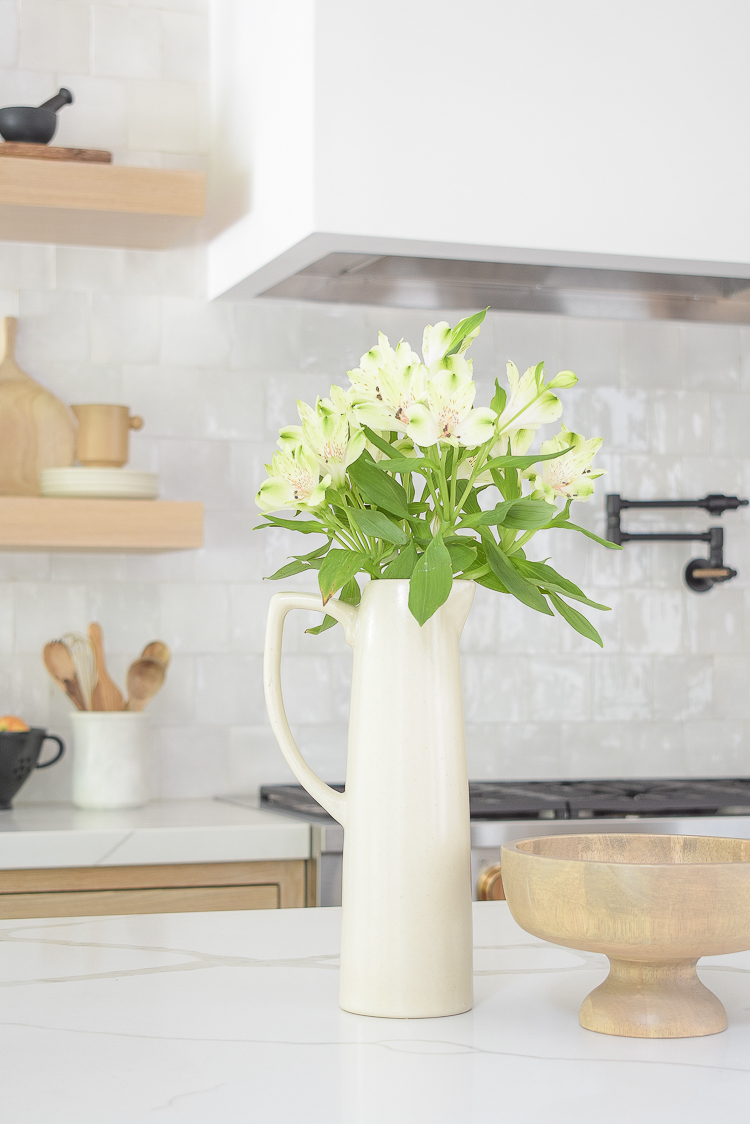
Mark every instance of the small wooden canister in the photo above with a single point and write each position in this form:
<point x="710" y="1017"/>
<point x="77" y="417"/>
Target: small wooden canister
<point x="103" y="435"/>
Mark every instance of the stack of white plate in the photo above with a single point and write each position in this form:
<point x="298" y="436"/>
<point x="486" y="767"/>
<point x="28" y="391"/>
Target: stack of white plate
<point x="103" y="483"/>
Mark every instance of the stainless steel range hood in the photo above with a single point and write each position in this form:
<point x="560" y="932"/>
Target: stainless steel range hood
<point x="415" y="282"/>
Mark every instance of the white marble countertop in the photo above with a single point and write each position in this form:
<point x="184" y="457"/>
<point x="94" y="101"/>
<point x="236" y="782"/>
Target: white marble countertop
<point x="169" y="831"/>
<point x="234" y="1018"/>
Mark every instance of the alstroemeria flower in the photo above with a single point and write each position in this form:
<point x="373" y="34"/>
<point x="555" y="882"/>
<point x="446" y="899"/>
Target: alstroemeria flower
<point x="329" y="430"/>
<point x="294" y="481"/>
<point x="570" y="475"/>
<point x="530" y="403"/>
<point x="447" y="413"/>
<point x="386" y="385"/>
<point x="436" y="341"/>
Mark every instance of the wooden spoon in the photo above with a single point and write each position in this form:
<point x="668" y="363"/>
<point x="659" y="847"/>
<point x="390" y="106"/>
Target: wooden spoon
<point x="106" y="694"/>
<point x="59" y="663"/>
<point x="158" y="651"/>
<point x="145" y="678"/>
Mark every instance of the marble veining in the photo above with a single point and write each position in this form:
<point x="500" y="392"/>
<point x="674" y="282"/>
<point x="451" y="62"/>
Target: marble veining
<point x="234" y="1017"/>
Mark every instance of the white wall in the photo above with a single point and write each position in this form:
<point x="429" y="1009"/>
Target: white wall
<point x="214" y="383"/>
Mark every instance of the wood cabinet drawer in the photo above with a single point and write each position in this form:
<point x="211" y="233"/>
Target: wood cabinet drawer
<point x="182" y="899"/>
<point x="176" y="888"/>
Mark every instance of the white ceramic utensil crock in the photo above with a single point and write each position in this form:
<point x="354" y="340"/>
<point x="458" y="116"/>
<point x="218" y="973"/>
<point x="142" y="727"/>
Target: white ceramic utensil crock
<point x="406" y="940"/>
<point x="110" y="759"/>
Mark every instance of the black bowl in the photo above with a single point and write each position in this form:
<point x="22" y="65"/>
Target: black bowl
<point x="27" y="123"/>
<point x="19" y="756"/>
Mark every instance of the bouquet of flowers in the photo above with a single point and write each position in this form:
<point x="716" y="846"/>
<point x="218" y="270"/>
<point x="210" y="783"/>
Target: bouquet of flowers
<point x="395" y="474"/>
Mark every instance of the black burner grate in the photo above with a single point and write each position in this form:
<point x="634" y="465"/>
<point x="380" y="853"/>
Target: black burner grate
<point x="574" y="799"/>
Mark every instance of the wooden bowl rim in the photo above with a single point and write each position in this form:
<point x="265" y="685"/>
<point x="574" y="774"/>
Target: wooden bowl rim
<point x="514" y="846"/>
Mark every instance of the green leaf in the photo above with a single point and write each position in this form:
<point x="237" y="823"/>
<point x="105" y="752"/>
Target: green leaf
<point x="488" y="518"/>
<point x="378" y="488"/>
<point x="338" y="567"/>
<point x="377" y="441"/>
<point x="529" y="515"/>
<point x="521" y="462"/>
<point x="471" y="503"/>
<point x="431" y="581"/>
<point x="503" y="568"/>
<point x="463" y="556"/>
<point x="576" y="619"/>
<point x="304" y="526"/>
<point x="377" y="526"/>
<point x="491" y="581"/>
<point x="499" y="399"/>
<point x="462" y="330"/>
<point x="568" y="526"/>
<point x="402" y="566"/>
<point x="351" y="595"/>
<point x="404" y="464"/>
<point x="421" y="531"/>
<point x="543" y="575"/>
<point x="291" y="568"/>
<point x="318" y="553"/>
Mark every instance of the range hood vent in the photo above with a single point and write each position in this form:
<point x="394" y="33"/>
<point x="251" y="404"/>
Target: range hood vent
<point x="415" y="282"/>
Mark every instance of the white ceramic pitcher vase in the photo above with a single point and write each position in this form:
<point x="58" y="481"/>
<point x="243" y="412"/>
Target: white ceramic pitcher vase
<point x="406" y="941"/>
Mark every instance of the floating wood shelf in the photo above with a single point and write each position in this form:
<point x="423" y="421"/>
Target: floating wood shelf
<point x="98" y="204"/>
<point x="41" y="523"/>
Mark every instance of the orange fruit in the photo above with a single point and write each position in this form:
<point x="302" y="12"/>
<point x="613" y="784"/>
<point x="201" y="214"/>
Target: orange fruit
<point x="11" y="724"/>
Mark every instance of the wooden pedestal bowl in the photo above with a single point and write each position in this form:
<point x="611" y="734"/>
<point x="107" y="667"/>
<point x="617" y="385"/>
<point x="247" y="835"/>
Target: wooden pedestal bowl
<point x="654" y="904"/>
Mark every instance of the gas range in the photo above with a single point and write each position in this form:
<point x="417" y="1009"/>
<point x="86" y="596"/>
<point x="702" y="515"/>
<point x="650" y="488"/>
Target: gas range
<point x="505" y="810"/>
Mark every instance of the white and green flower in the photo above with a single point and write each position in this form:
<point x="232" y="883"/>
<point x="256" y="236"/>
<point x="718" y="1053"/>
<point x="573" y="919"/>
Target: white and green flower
<point x="294" y="480"/>
<point x="447" y="412"/>
<point x="436" y="340"/>
<point x="386" y="385"/>
<point x="569" y="476"/>
<point x="531" y="402"/>
<point x="330" y="431"/>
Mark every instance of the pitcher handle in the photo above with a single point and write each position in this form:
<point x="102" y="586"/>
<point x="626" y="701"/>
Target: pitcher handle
<point x="281" y="603"/>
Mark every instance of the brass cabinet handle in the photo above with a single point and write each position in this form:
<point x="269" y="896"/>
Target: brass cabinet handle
<point x="490" y="884"/>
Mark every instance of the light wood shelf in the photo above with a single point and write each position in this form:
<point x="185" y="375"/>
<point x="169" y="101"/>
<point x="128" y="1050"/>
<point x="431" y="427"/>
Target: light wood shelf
<point x="98" y="204"/>
<point x="41" y="523"/>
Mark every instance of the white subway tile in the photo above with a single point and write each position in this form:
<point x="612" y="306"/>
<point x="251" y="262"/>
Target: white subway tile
<point x="333" y="338"/>
<point x="650" y="354"/>
<point x="681" y="422"/>
<point x="745" y="359"/>
<point x="527" y="339"/>
<point x="129" y="613"/>
<point x="267" y="337"/>
<point x="730" y="424"/>
<point x="194" y="617"/>
<point x="233" y="550"/>
<point x="9" y="33"/>
<point x="25" y="87"/>
<point x="7" y="613"/>
<point x="196" y="333"/>
<point x="127" y="42"/>
<point x="97" y="117"/>
<point x="560" y="688"/>
<point x="255" y="759"/>
<point x="621" y="418"/>
<point x="248" y="608"/>
<point x="26" y="266"/>
<point x="592" y="350"/>
<point x="715" y="621"/>
<point x="653" y="749"/>
<point x="623" y="688"/>
<point x="495" y="688"/>
<point x="591" y="749"/>
<point x="229" y="690"/>
<point x="185" y="37"/>
<point x="683" y="688"/>
<point x="45" y="611"/>
<point x="652" y="621"/>
<point x="125" y="329"/>
<point x="513" y="750"/>
<point x="194" y="470"/>
<point x="162" y="116"/>
<point x="716" y="748"/>
<point x="731" y="687"/>
<point x="52" y="326"/>
<point x="308" y="686"/>
<point x="55" y="35"/>
<point x="192" y="762"/>
<point x="710" y="356"/>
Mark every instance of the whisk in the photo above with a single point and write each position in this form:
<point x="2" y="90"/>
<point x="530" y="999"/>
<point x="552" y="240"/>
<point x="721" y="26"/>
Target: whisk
<point x="84" y="660"/>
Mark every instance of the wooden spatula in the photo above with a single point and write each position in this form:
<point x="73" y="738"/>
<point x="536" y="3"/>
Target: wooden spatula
<point x="37" y="430"/>
<point x="157" y="650"/>
<point x="106" y="695"/>
<point x="145" y="678"/>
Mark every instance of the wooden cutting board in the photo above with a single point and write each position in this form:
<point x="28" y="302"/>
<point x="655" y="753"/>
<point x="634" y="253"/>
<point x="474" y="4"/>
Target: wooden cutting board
<point x="37" y="430"/>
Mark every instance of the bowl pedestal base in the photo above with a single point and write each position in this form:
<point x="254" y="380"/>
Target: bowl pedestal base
<point x="654" y="999"/>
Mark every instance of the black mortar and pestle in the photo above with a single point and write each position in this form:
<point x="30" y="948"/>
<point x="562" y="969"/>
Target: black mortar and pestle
<point x="33" y="124"/>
